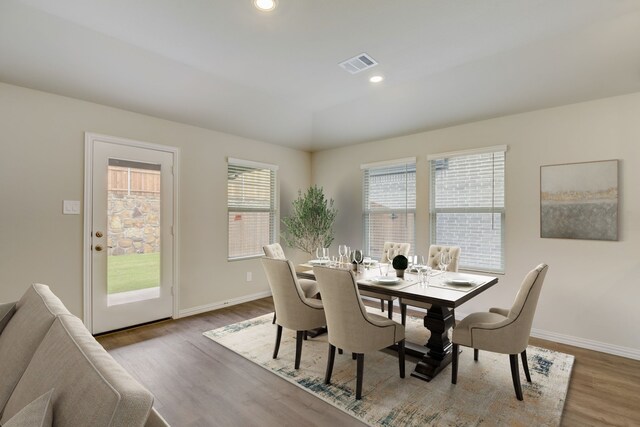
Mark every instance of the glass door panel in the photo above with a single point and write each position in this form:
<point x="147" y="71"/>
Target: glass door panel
<point x="133" y="231"/>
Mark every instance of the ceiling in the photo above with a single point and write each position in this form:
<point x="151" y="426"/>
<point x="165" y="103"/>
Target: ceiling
<point x="274" y="77"/>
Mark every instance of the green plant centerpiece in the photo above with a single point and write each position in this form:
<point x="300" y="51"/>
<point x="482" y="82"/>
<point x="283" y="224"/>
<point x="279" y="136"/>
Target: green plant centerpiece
<point x="310" y="226"/>
<point x="400" y="264"/>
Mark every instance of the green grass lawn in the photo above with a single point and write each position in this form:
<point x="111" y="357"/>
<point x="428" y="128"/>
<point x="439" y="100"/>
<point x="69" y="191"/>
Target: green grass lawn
<point x="133" y="272"/>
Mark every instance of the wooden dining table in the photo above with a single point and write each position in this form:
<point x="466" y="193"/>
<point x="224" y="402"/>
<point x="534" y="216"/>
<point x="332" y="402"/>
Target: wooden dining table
<point x="444" y="292"/>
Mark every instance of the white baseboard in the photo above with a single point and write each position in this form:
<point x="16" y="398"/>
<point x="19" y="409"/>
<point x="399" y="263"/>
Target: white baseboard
<point x="228" y="303"/>
<point x="617" y="350"/>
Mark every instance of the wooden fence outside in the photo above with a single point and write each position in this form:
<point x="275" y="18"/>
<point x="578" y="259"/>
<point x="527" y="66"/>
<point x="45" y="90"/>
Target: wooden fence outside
<point x="133" y="181"/>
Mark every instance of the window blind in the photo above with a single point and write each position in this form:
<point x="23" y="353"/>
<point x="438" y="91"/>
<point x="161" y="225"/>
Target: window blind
<point x="467" y="207"/>
<point x="251" y="203"/>
<point x="389" y="210"/>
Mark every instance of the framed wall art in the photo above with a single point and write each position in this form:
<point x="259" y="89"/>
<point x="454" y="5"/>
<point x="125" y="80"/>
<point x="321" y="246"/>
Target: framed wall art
<point x="579" y="200"/>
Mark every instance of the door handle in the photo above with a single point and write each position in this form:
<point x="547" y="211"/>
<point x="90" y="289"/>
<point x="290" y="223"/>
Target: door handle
<point x="99" y="248"/>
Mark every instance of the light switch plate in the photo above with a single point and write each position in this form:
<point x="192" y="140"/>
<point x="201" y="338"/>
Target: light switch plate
<point x="71" y="207"/>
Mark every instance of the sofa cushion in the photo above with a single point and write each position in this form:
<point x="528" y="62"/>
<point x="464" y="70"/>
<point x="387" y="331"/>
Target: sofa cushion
<point x="19" y="340"/>
<point x="91" y="388"/>
<point x="6" y="312"/>
<point x="38" y="413"/>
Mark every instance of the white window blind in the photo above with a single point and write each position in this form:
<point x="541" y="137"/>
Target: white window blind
<point x="251" y="202"/>
<point x="467" y="206"/>
<point x="389" y="211"/>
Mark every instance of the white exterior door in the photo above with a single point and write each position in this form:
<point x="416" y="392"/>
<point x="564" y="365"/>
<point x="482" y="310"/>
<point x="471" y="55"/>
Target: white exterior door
<point x="131" y="234"/>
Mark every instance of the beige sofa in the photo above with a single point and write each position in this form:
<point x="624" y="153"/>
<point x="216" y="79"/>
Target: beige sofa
<point x="53" y="372"/>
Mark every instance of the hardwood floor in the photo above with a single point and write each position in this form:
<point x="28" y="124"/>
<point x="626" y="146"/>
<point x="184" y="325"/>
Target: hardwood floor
<point x="197" y="382"/>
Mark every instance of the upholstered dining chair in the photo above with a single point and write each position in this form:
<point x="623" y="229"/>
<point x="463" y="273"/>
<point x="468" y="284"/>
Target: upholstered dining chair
<point x="349" y="325"/>
<point x="398" y="249"/>
<point x="502" y="330"/>
<point x="295" y="310"/>
<point x="309" y="287"/>
<point x="432" y="261"/>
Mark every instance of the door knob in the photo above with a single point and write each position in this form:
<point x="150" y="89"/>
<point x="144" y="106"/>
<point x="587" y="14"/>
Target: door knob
<point x="98" y="248"/>
<point x="98" y="233"/>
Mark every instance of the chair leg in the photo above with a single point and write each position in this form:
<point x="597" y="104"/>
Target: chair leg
<point x="515" y="375"/>
<point x="403" y="314"/>
<point x="401" y="357"/>
<point x="305" y="335"/>
<point x="475" y="354"/>
<point x="332" y="357"/>
<point x="299" y="337"/>
<point x="274" y="318"/>
<point x="454" y="363"/>
<point x="382" y="305"/>
<point x="390" y="309"/>
<point x="278" y="338"/>
<point x="359" y="374"/>
<point x="525" y="365"/>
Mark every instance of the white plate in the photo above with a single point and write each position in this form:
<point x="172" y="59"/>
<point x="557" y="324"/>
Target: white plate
<point x="461" y="282"/>
<point x="370" y="262"/>
<point x="319" y="261"/>
<point x="386" y="280"/>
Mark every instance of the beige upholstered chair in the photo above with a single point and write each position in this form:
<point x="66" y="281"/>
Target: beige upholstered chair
<point x="309" y="287"/>
<point x="503" y="330"/>
<point x="274" y="250"/>
<point x="399" y="249"/>
<point x="349" y="325"/>
<point x="295" y="310"/>
<point x="432" y="261"/>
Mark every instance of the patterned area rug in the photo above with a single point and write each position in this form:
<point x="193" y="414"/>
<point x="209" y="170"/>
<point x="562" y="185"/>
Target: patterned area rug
<point x="484" y="394"/>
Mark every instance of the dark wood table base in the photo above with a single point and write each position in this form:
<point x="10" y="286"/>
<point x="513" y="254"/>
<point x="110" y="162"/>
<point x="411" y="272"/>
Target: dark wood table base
<point x="438" y="349"/>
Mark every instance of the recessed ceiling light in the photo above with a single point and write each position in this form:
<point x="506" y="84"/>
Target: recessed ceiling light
<point x="376" y="79"/>
<point x="265" y="5"/>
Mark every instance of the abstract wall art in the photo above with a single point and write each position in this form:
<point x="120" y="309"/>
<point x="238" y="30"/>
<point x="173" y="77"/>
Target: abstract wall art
<point x="579" y="200"/>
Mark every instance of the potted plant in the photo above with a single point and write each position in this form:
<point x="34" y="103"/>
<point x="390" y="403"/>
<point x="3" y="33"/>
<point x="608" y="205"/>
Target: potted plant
<point x="310" y="226"/>
<point x="400" y="264"/>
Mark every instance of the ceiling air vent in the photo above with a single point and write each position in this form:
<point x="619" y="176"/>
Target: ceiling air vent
<point x="358" y="63"/>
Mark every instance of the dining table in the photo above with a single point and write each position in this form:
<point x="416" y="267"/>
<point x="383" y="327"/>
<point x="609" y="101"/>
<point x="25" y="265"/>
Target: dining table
<point x="444" y="291"/>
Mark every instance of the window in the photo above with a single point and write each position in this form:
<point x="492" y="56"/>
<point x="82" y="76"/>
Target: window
<point x="251" y="202"/>
<point x="389" y="213"/>
<point x="467" y="206"/>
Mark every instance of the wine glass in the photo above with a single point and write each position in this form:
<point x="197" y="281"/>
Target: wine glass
<point x="322" y="254"/>
<point x="445" y="260"/>
<point x="357" y="256"/>
<point x="391" y="254"/>
<point x="343" y="250"/>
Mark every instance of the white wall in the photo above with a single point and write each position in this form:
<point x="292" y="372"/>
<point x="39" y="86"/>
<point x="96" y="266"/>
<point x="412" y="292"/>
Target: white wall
<point x="42" y="163"/>
<point x="591" y="296"/>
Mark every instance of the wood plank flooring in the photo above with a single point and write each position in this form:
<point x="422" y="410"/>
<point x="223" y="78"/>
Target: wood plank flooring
<point x="197" y="382"/>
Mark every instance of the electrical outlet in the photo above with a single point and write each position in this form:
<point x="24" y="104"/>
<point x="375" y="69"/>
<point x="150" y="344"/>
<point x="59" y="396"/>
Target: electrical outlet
<point x="249" y="276"/>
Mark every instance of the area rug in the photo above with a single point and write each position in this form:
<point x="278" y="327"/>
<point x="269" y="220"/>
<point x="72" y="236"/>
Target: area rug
<point x="484" y="394"/>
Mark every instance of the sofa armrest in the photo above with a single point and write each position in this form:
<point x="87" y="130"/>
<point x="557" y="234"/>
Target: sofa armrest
<point x="6" y="311"/>
<point x="155" y="420"/>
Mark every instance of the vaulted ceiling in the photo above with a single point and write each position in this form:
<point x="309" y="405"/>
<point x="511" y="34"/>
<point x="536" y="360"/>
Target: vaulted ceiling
<point x="223" y="65"/>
